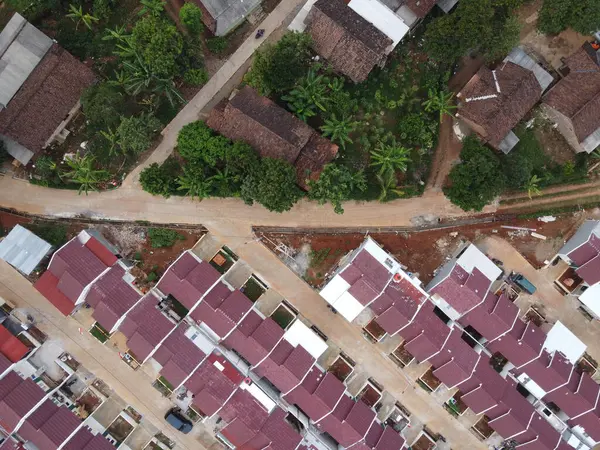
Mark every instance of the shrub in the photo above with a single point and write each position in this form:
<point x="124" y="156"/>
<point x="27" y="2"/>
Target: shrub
<point x="160" y="180"/>
<point x="217" y="45"/>
<point x="55" y="234"/>
<point x="102" y="105"/>
<point x="273" y="185"/>
<point x="525" y="160"/>
<point x="135" y="133"/>
<point x="478" y="179"/>
<point x="335" y="184"/>
<point x="195" y="77"/>
<point x="151" y="277"/>
<point x="196" y="142"/>
<point x="159" y="44"/>
<point x="102" y="9"/>
<point x="191" y="16"/>
<point x="163" y="237"/>
<point x="4" y="156"/>
<point x="581" y="15"/>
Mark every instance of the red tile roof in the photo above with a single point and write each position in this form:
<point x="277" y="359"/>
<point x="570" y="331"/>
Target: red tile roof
<point x="349" y="422"/>
<point x="549" y="371"/>
<point x="101" y="252"/>
<point x="72" y="268"/>
<point x="512" y="415"/>
<point x="590" y="271"/>
<point x="145" y="327"/>
<point x="17" y="398"/>
<point x="275" y="434"/>
<point x="318" y="393"/>
<point x="494" y="317"/>
<point x="462" y="290"/>
<point x="397" y="305"/>
<point x="212" y="383"/>
<point x="578" y="396"/>
<point x="49" y="426"/>
<point x="178" y="355"/>
<point x="45" y="98"/>
<point x="11" y="347"/>
<point x="85" y="440"/>
<point x="111" y="297"/>
<point x="426" y="335"/>
<point x="222" y="309"/>
<point x="456" y="362"/>
<point x="492" y="113"/>
<point x="254" y="337"/>
<point x="243" y="406"/>
<point x="484" y="389"/>
<point x="285" y="366"/>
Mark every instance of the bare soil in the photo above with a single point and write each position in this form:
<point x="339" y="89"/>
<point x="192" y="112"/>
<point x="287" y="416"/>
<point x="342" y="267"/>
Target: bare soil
<point x="554" y="144"/>
<point x="423" y="252"/>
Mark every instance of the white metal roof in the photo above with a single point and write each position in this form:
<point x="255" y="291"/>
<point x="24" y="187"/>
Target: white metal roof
<point x="23" y="250"/>
<point x="382" y="18"/>
<point x="591" y="299"/>
<point x="562" y="339"/>
<point x="259" y="395"/>
<point x="531" y="386"/>
<point x="336" y="294"/>
<point x="472" y="258"/>
<point x="300" y="334"/>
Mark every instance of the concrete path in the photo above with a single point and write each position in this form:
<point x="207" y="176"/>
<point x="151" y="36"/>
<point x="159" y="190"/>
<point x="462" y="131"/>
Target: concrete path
<point x="132" y="386"/>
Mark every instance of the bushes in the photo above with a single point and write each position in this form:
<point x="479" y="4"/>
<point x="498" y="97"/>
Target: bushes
<point x="335" y="184"/>
<point x="196" y="77"/>
<point x="160" y="180"/>
<point x="273" y="185"/>
<point x="158" y="43"/>
<point x="478" y="179"/>
<point x="163" y="237"/>
<point x="135" y="133"/>
<point x="102" y="105"/>
<point x="191" y="17"/>
<point x="217" y="45"/>
<point x="277" y="68"/>
<point x="581" y="15"/>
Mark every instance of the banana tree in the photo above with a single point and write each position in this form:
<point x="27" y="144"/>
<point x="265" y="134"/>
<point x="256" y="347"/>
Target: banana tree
<point x="78" y="16"/>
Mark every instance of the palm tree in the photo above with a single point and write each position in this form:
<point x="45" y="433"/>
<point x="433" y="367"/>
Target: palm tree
<point x="152" y="7"/>
<point x="339" y="130"/>
<point x="440" y="101"/>
<point x="78" y="17"/>
<point x="119" y="34"/>
<point x="533" y="186"/>
<point x="390" y="158"/>
<point x="388" y="184"/>
<point x="113" y="141"/>
<point x="193" y="182"/>
<point x="83" y="173"/>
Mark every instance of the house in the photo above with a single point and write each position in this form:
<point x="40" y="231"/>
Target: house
<point x="273" y="132"/>
<point x="371" y="277"/>
<point x="40" y="87"/>
<point x="18" y="398"/>
<point x="494" y="101"/>
<point x="354" y="36"/>
<point x="84" y="439"/>
<point x="73" y="269"/>
<point x="349" y="422"/>
<point x="464" y="282"/>
<point x="23" y="250"/>
<point x="581" y="257"/>
<point x="222" y="16"/>
<point x="49" y="426"/>
<point x="574" y="103"/>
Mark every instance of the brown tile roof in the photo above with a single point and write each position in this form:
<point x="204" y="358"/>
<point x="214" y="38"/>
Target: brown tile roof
<point x="494" y="113"/>
<point x="273" y="132"/>
<point x="348" y="41"/>
<point x="420" y="7"/>
<point x="45" y="99"/>
<point x="577" y="95"/>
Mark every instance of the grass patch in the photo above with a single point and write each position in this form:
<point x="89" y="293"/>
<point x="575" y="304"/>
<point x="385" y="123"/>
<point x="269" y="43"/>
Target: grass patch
<point x="163" y="237"/>
<point x="253" y="289"/>
<point x="166" y="383"/>
<point x="282" y="317"/>
<point x="53" y="233"/>
<point x="99" y="333"/>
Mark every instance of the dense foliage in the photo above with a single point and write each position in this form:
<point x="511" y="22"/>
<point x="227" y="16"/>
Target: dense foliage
<point x="135" y="133"/>
<point x="581" y="15"/>
<point x="103" y="104"/>
<point x="278" y="67"/>
<point x="483" y="26"/>
<point x="478" y="179"/>
<point x="335" y="185"/>
<point x="163" y="237"/>
<point x="191" y="17"/>
<point x="160" y="179"/>
<point x="158" y="44"/>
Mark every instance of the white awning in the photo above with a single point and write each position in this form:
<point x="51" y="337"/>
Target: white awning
<point x="300" y="334"/>
<point x="382" y="18"/>
<point x="562" y="339"/>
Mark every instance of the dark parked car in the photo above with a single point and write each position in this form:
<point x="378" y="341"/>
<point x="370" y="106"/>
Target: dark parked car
<point x="177" y="420"/>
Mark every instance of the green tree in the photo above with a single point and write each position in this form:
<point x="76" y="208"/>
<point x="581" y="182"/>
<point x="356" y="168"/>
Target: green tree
<point x="135" y="133"/>
<point x="309" y="96"/>
<point x="112" y="139"/>
<point x="389" y="185"/>
<point x="217" y="44"/>
<point x="334" y="185"/>
<point x="581" y="15"/>
<point x="241" y="159"/>
<point x="440" y="102"/>
<point x="78" y="16"/>
<point x="338" y="130"/>
<point x="137" y="77"/>
<point x="277" y="68"/>
<point x="414" y="130"/>
<point x="390" y="158"/>
<point x="196" y="77"/>
<point x="196" y="142"/>
<point x="158" y="43"/>
<point x="159" y="180"/>
<point x="152" y="7"/>
<point x="191" y="16"/>
<point x="102" y="105"/>
<point x="478" y="179"/>
<point x="475" y="25"/>
<point x="194" y="182"/>
<point x="273" y="185"/>
<point x="533" y="186"/>
<point x="34" y="9"/>
<point x="84" y="174"/>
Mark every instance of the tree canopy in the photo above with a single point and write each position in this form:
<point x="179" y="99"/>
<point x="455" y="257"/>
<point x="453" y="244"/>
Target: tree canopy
<point x="102" y="105"/>
<point x="135" y="133"/>
<point x="159" y="180"/>
<point x="272" y="184"/>
<point x="581" y="15"/>
<point x="478" y="179"/>
<point x="158" y="43"/>
<point x="484" y="26"/>
<point x="278" y="67"/>
<point x="335" y="184"/>
<point x="191" y="16"/>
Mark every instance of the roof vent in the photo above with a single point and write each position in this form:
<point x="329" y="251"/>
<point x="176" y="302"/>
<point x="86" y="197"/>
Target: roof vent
<point x="248" y="381"/>
<point x="397" y="278"/>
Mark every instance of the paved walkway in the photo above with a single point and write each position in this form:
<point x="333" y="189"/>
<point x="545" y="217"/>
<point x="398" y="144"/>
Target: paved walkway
<point x="132" y="386"/>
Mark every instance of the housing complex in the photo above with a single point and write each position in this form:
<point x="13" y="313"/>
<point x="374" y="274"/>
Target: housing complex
<point x="525" y="381"/>
<point x="40" y="87"/>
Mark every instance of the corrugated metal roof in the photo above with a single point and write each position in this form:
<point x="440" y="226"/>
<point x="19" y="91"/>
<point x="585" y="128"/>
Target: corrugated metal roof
<point x="23" y="250"/>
